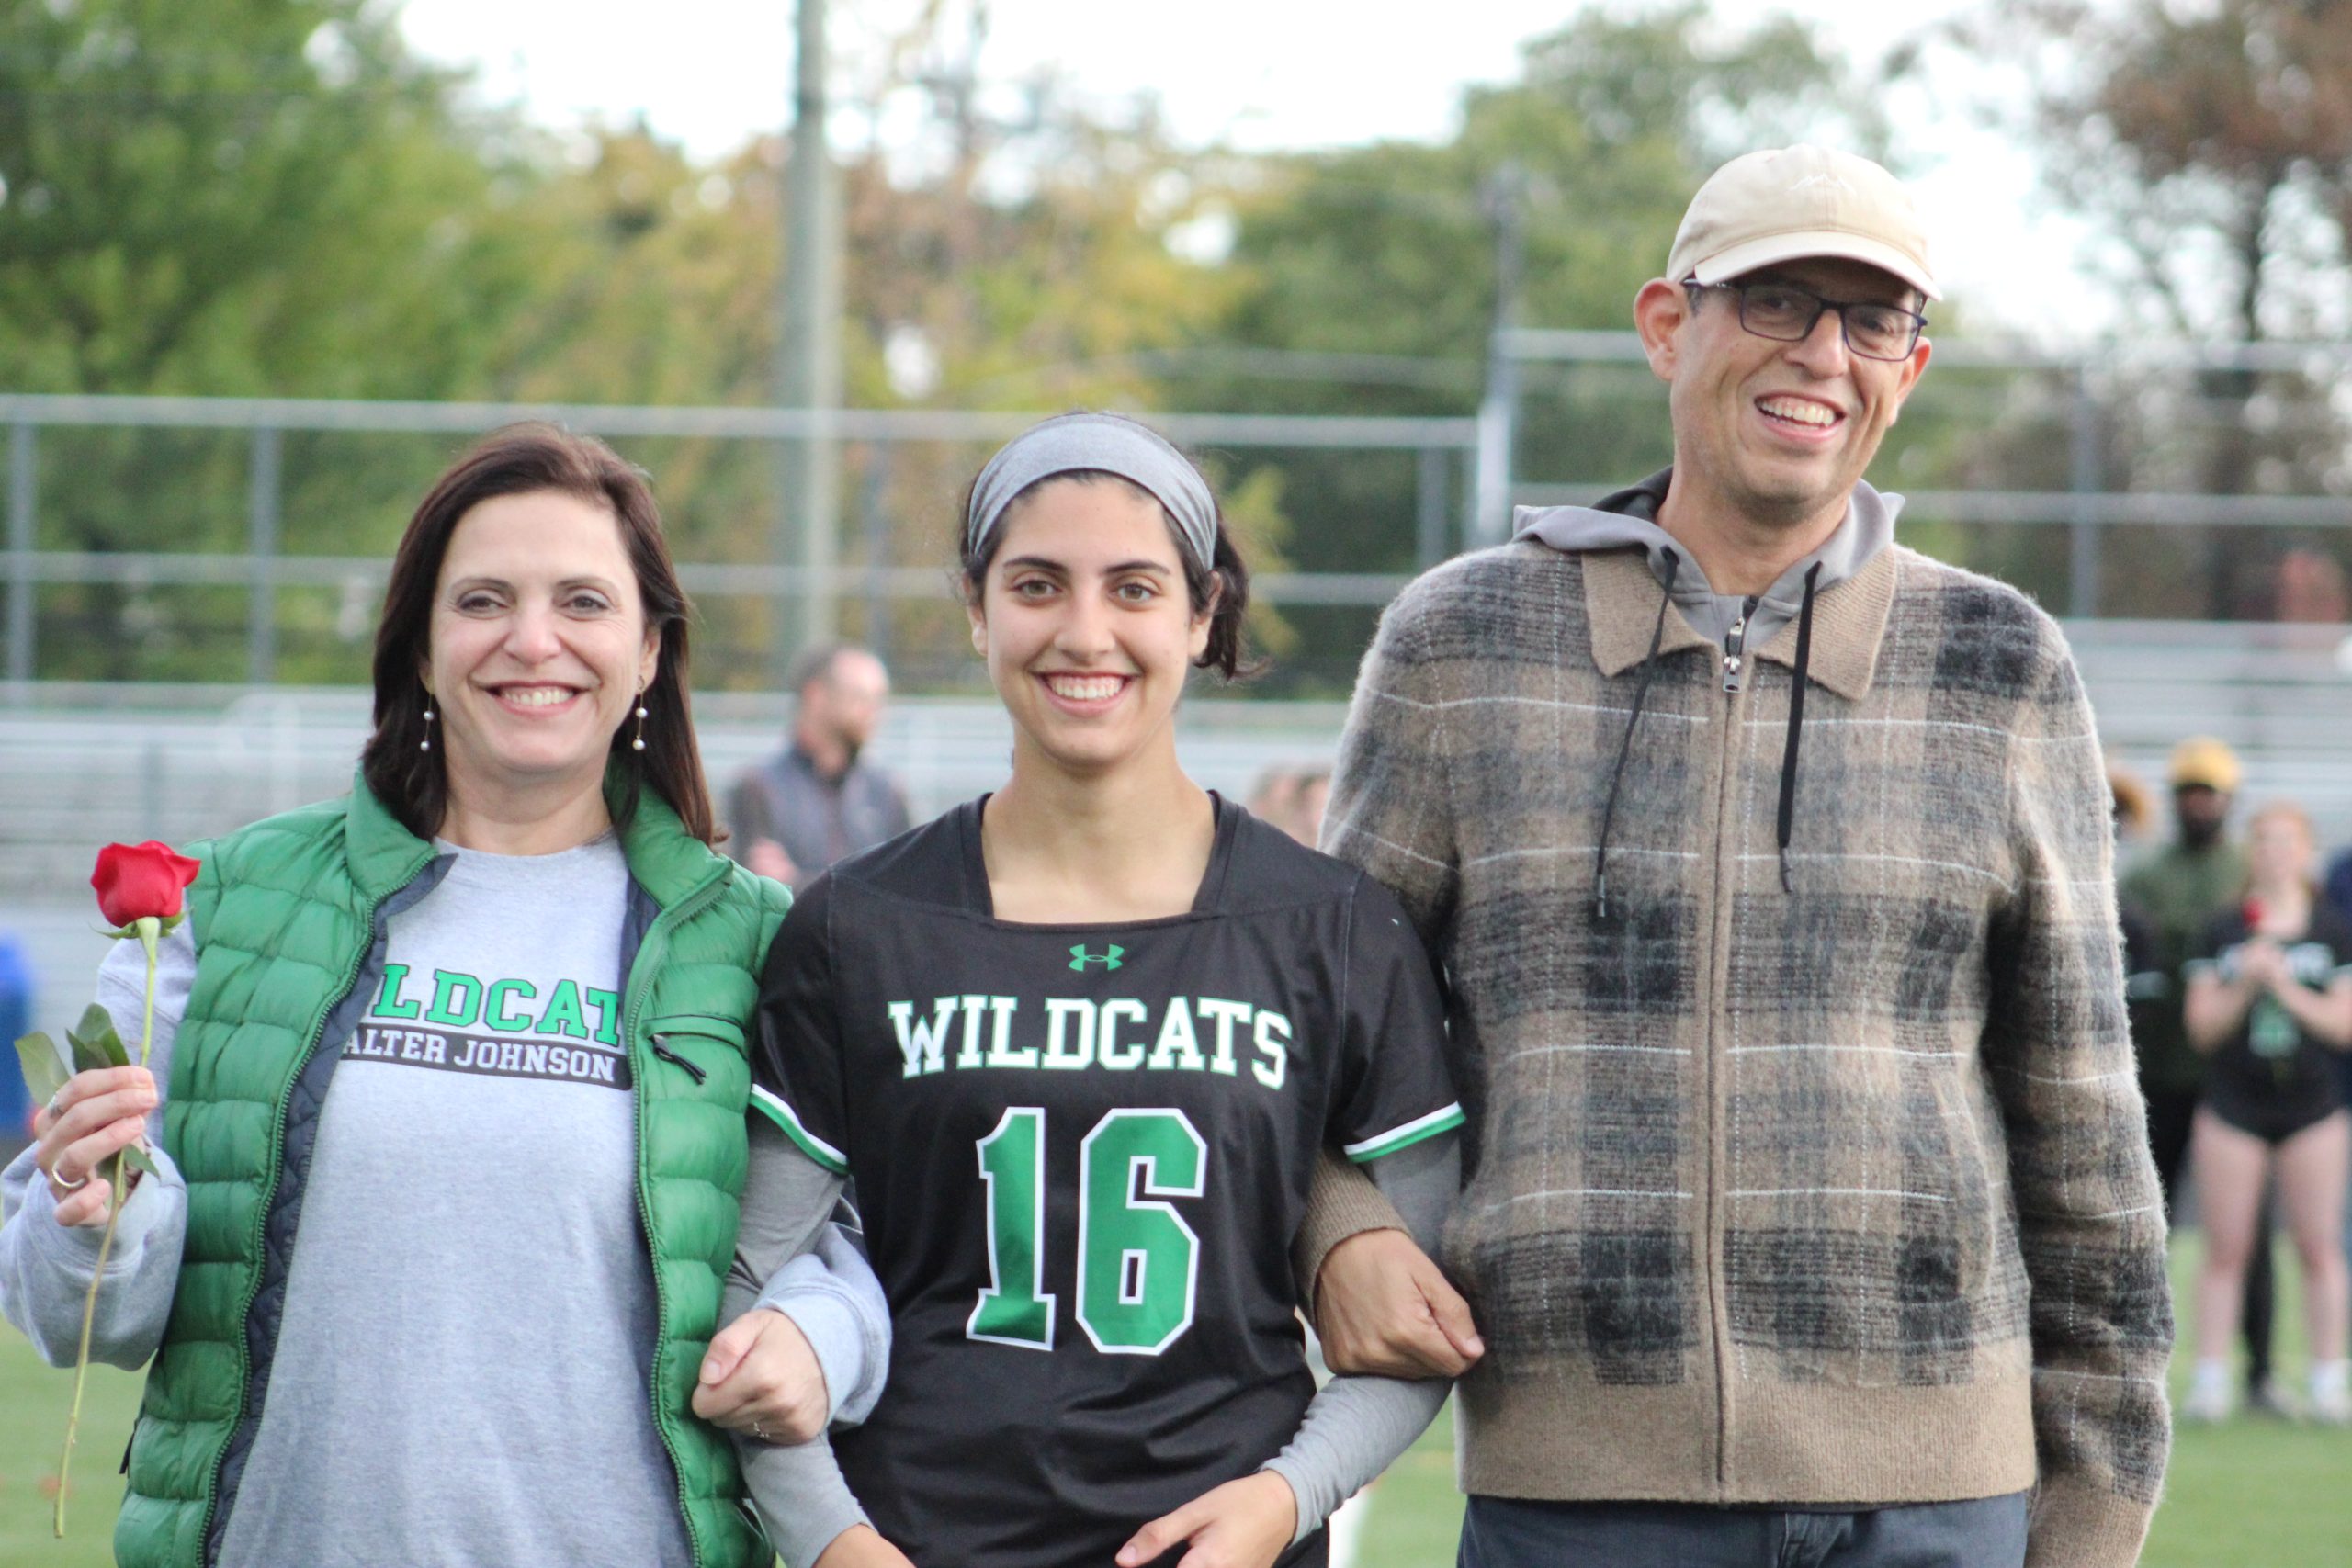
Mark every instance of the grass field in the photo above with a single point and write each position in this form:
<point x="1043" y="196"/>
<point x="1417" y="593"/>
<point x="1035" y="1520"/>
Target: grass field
<point x="2247" y="1493"/>
<point x="33" y="1402"/>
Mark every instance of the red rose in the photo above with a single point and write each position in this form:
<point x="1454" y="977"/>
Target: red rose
<point x="136" y="880"/>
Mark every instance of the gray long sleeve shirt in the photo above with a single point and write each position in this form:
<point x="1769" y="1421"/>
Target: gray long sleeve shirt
<point x="45" y="1268"/>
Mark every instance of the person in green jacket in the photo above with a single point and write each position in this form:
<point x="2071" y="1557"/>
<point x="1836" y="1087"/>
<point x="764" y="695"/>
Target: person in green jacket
<point x="2176" y="890"/>
<point x="451" y="1153"/>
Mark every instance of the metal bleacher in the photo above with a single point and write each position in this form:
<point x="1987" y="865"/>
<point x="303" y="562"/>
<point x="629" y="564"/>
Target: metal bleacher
<point x="2280" y="694"/>
<point x="82" y="766"/>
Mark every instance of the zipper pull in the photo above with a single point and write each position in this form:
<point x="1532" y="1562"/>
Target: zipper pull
<point x="675" y="1060"/>
<point x="1736" y="647"/>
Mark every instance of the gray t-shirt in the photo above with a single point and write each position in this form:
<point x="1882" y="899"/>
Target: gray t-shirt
<point x="470" y="1316"/>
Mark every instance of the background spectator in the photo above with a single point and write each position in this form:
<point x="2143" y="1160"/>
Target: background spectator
<point x="1292" y="800"/>
<point x="2150" y="990"/>
<point x="1273" y="799"/>
<point x="2270" y="997"/>
<point x="2178" y="889"/>
<point x="2310" y="589"/>
<point x="2337" y="889"/>
<point x="1314" y="795"/>
<point x="16" y="1018"/>
<point x="815" y="802"/>
<point x="2136" y="810"/>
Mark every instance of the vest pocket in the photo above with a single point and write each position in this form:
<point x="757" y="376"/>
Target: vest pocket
<point x="695" y="1043"/>
<point x="712" y="1024"/>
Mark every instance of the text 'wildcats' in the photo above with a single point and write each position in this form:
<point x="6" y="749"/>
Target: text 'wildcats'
<point x="1117" y="1034"/>
<point x="506" y="1006"/>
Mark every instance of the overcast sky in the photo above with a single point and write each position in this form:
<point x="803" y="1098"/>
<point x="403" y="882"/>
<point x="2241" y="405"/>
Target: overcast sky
<point x="1258" y="73"/>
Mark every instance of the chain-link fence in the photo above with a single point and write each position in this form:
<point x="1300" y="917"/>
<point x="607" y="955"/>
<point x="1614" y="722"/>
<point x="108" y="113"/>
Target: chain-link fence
<point x="247" y="540"/>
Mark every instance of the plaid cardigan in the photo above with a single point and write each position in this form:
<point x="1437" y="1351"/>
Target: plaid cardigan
<point x="1837" y="1194"/>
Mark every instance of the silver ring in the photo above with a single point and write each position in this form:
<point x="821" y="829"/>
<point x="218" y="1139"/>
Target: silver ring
<point x="759" y="1431"/>
<point x="66" y="1186"/>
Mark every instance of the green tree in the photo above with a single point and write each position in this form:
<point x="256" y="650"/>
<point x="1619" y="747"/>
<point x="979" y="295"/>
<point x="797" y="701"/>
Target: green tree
<point x="274" y="197"/>
<point x="1386" y="252"/>
<point x="230" y="197"/>
<point x="2211" y="147"/>
<point x="237" y="196"/>
<point x="1015" y="242"/>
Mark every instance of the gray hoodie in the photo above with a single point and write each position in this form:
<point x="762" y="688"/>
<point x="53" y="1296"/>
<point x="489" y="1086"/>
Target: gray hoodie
<point x="1629" y="517"/>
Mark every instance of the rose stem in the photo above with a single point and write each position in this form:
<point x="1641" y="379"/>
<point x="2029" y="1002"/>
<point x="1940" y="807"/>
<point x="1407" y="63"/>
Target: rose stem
<point x="148" y="928"/>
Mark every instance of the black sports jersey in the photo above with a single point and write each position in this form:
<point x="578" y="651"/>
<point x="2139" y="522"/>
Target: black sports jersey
<point x="2269" y="1078"/>
<point x="1081" y="1153"/>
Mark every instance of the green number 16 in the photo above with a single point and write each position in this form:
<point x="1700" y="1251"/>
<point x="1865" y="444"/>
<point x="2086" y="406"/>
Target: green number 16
<point x="1138" y="1262"/>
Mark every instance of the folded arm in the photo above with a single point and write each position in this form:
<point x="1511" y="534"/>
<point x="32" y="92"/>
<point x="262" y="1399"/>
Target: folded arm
<point x="1353" y="1429"/>
<point x="1379" y="1303"/>
<point x="1357" y="1425"/>
<point x="807" y="1347"/>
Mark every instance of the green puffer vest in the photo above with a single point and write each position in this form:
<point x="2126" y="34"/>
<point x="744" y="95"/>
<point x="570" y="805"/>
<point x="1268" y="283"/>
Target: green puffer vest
<point x="286" y="916"/>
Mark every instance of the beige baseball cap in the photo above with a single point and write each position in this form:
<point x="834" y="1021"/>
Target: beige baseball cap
<point x="2201" y="760"/>
<point x="1792" y="202"/>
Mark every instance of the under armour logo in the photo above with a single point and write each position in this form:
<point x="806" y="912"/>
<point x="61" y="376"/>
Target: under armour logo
<point x="1080" y="958"/>
<point x="1830" y="182"/>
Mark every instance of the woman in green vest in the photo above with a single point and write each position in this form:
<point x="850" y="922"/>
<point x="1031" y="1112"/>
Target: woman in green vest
<point x="449" y="1092"/>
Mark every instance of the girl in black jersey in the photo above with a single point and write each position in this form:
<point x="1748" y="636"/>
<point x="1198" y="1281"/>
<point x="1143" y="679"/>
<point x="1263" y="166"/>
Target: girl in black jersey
<point x="2271" y="1002"/>
<point x="1077" y="1044"/>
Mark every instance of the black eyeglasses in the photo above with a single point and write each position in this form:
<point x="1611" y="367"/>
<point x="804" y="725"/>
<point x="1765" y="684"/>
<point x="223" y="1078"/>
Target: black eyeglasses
<point x="1786" y="313"/>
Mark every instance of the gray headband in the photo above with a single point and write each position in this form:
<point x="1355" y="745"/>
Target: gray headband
<point x="1108" y="443"/>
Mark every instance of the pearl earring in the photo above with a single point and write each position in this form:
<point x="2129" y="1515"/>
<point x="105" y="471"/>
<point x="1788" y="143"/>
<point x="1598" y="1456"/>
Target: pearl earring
<point x="426" y="744"/>
<point x="638" y="744"/>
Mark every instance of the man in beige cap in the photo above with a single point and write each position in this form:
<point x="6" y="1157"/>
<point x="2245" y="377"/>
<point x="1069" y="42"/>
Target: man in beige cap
<point x="1809" y="1218"/>
<point x="2177" y="890"/>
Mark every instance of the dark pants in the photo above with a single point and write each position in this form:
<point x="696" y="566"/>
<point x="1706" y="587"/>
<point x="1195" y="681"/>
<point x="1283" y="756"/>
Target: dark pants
<point x="2170" y="1113"/>
<point x="2261" y="1303"/>
<point x="1985" y="1532"/>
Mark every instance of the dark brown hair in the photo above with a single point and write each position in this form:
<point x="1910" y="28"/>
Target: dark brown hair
<point x="527" y="459"/>
<point x="1227" y="575"/>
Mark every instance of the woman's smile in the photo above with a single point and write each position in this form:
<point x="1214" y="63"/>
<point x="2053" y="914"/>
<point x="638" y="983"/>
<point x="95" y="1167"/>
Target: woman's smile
<point x="537" y="700"/>
<point x="1086" y="693"/>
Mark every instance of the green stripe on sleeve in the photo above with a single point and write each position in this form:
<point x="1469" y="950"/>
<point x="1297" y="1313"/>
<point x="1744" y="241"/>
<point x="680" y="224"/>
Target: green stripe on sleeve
<point x="815" y="1147"/>
<point x="1444" y="1120"/>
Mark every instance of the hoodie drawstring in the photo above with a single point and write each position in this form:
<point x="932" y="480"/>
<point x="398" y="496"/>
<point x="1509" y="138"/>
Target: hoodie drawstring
<point x="1626" y="746"/>
<point x="1796" y="716"/>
